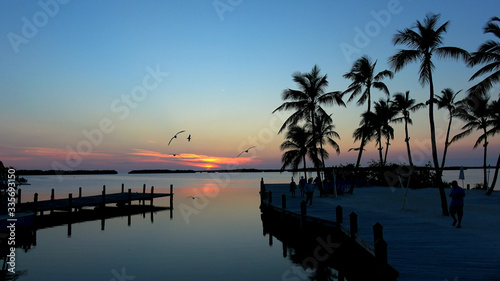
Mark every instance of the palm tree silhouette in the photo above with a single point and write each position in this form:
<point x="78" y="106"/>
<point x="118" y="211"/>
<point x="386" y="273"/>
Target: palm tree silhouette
<point x="307" y="101"/>
<point x="495" y="124"/>
<point x="297" y="143"/>
<point x="326" y="132"/>
<point x="447" y="100"/>
<point x="425" y="40"/>
<point x="403" y="104"/>
<point x="384" y="115"/>
<point x="475" y="112"/>
<point x="363" y="79"/>
<point x="489" y="54"/>
<point x="364" y="133"/>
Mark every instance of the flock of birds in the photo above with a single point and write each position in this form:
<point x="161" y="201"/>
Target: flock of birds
<point x="189" y="140"/>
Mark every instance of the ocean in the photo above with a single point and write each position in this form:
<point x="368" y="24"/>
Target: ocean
<point x="216" y="236"/>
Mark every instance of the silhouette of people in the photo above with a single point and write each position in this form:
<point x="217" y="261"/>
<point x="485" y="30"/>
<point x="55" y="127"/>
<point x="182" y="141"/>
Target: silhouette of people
<point x="309" y="189"/>
<point x="293" y="186"/>
<point x="457" y="195"/>
<point x="302" y="186"/>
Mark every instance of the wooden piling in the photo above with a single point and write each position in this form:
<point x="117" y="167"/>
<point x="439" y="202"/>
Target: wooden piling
<point x="19" y="196"/>
<point x="103" y="203"/>
<point x="52" y="194"/>
<point x="80" y="192"/>
<point x="339" y="214"/>
<point x="377" y="232"/>
<point x="152" y="195"/>
<point x="35" y="201"/>
<point x="144" y="192"/>
<point x="171" y="196"/>
<point x="381" y="251"/>
<point x="123" y="188"/>
<point x="70" y="202"/>
<point x="353" y="219"/>
<point x="129" y="196"/>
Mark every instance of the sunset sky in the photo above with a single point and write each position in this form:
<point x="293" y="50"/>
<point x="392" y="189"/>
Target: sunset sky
<point x="107" y="84"/>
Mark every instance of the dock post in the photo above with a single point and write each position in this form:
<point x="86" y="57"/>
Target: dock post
<point x="35" y="202"/>
<point x="144" y="192"/>
<point x="19" y="196"/>
<point x="377" y="232"/>
<point x="104" y="189"/>
<point x="129" y="196"/>
<point x="353" y="219"/>
<point x="381" y="251"/>
<point x="339" y="215"/>
<point x="123" y="188"/>
<point x="283" y="201"/>
<point x="52" y="194"/>
<point x="103" y="201"/>
<point x="80" y="192"/>
<point x="152" y="193"/>
<point x="70" y="202"/>
<point x="468" y="186"/>
<point x="171" y="197"/>
<point x="303" y="213"/>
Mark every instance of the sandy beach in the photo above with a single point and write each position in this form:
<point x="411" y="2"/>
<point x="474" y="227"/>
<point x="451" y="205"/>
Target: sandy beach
<point x="423" y="244"/>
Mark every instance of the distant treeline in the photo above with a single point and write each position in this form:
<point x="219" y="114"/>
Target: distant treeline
<point x="166" y="171"/>
<point x="60" y="172"/>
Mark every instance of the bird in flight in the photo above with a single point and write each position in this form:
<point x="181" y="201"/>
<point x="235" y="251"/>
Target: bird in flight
<point x="245" y="151"/>
<point x="174" y="154"/>
<point x="193" y="197"/>
<point x="189" y="138"/>
<point x="174" y="137"/>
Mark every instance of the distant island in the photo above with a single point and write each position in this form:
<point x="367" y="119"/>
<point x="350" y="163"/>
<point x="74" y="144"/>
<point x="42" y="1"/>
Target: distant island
<point x="167" y="171"/>
<point x="60" y="172"/>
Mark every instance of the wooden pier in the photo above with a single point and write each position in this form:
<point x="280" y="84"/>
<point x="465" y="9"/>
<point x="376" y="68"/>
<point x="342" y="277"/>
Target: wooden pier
<point x="349" y="254"/>
<point x="77" y="203"/>
<point x="421" y="243"/>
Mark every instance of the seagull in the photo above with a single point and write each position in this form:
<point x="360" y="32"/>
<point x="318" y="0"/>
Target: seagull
<point x="174" y="137"/>
<point x="245" y="151"/>
<point x="173" y="154"/>
<point x="193" y="197"/>
<point x="189" y="138"/>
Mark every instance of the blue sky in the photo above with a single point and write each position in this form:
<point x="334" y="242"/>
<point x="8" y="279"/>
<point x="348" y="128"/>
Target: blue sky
<point x="220" y="69"/>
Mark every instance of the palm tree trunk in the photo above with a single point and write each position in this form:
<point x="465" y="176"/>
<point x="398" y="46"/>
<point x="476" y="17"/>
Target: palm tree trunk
<point x="446" y="143"/>
<point x="490" y="190"/>
<point x="407" y="140"/>
<point x="380" y="149"/>
<point x="386" y="150"/>
<point x="358" y="161"/>
<point x="485" y="186"/>
<point x="444" y="204"/>
<point x="305" y="169"/>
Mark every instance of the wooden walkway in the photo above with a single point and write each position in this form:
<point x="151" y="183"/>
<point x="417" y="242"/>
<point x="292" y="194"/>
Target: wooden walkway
<point x="67" y="204"/>
<point x="422" y="244"/>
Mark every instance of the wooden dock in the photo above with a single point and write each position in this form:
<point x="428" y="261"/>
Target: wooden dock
<point x="77" y="203"/>
<point x="422" y="244"/>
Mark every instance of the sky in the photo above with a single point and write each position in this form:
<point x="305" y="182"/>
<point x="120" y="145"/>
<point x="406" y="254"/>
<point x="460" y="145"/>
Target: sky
<point x="107" y="84"/>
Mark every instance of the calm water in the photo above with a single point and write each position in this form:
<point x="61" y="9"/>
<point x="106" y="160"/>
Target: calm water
<point x="217" y="236"/>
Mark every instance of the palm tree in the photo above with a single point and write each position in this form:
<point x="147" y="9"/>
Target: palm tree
<point x="447" y="100"/>
<point x="297" y="142"/>
<point x="385" y="112"/>
<point x="403" y="104"/>
<point x="307" y="101"/>
<point x="425" y="40"/>
<point x="495" y="124"/>
<point x="363" y="79"/>
<point x="489" y="54"/>
<point x="326" y="132"/>
<point x="474" y="111"/>
<point x="363" y="76"/>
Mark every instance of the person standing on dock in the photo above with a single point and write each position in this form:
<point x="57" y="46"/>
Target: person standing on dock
<point x="457" y="195"/>
<point x="293" y="186"/>
<point x="309" y="189"/>
<point x="302" y="186"/>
